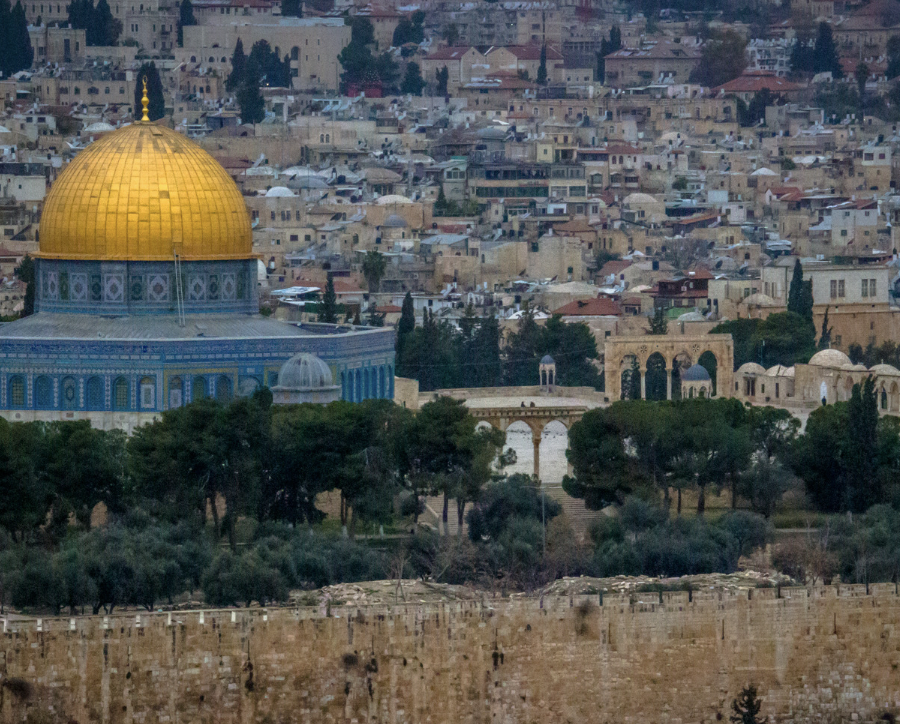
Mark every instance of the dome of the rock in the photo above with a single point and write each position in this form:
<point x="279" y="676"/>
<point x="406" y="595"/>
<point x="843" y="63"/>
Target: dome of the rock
<point x="143" y="193"/>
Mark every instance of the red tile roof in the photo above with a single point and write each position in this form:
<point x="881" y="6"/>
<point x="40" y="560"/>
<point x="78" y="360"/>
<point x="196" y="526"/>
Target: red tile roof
<point x="756" y="80"/>
<point x="598" y="307"/>
<point x="614" y="267"/>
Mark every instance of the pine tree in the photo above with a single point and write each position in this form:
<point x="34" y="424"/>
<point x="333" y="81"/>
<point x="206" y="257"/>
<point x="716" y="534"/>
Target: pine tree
<point x="542" y="68"/>
<point x="238" y="68"/>
<point x="157" y="107"/>
<point x="328" y="308"/>
<point x="745" y="709"/>
<point x="186" y="17"/>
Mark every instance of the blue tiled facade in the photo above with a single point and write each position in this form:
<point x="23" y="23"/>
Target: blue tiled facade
<point x="151" y="376"/>
<point x="106" y="338"/>
<point x="145" y="287"/>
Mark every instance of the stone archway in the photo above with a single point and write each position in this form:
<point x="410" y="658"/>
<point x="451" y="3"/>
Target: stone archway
<point x="618" y="352"/>
<point x="536" y="418"/>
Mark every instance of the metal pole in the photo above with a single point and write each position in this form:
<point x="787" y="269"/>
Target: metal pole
<point x="543" y="521"/>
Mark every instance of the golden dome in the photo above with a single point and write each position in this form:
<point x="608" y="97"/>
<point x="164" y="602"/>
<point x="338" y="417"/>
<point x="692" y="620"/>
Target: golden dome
<point x="140" y="193"/>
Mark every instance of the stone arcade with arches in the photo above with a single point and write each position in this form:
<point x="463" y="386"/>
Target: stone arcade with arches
<point x="652" y="366"/>
<point x="146" y="296"/>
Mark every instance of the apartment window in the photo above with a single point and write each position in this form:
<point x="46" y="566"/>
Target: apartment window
<point x="834" y="288"/>
<point x="840" y="288"/>
<point x="865" y="288"/>
<point x="871" y="287"/>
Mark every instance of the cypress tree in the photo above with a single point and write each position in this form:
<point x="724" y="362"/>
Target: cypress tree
<point x="16" y="52"/>
<point x="253" y="108"/>
<point x="825" y="55"/>
<point x="795" y="295"/>
<point x="238" y="68"/>
<point x="157" y="107"/>
<point x="442" y="77"/>
<point x="25" y="273"/>
<point x="292" y="8"/>
<point x="825" y="337"/>
<point x="185" y="17"/>
<point x="542" y="68"/>
<point x="21" y="51"/>
<point x="5" y="37"/>
<point x="81" y="14"/>
<point x="105" y="27"/>
<point x="487" y="345"/>
<point x="405" y="327"/>
<point x="328" y="309"/>
<point x="860" y="479"/>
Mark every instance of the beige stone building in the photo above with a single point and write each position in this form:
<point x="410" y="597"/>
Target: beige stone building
<point x="650" y="64"/>
<point x="313" y="45"/>
<point x="57" y="45"/>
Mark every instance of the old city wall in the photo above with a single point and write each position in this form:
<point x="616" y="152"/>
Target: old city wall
<point x="820" y="655"/>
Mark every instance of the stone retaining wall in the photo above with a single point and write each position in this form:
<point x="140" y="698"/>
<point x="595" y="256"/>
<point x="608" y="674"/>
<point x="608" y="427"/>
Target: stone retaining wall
<point x="817" y="655"/>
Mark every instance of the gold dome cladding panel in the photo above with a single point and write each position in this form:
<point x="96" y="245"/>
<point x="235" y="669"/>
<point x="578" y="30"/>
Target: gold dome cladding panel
<point x="136" y="193"/>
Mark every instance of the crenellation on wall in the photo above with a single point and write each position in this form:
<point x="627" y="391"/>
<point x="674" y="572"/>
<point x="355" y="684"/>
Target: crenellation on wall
<point x="677" y="656"/>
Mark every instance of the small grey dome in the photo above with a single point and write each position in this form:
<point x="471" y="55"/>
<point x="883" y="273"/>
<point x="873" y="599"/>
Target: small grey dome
<point x="305" y="371"/>
<point x="695" y="373"/>
<point x="395" y="222"/>
<point x="547" y="360"/>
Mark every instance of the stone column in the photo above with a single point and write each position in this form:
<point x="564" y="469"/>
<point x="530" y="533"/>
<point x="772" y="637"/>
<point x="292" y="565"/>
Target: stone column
<point x="668" y="383"/>
<point x="536" y="440"/>
<point x="643" y="373"/>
